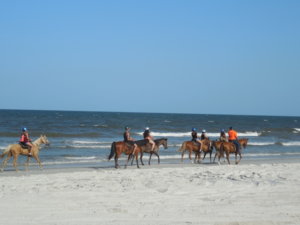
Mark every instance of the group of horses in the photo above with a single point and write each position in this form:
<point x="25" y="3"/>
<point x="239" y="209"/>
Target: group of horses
<point x="142" y="146"/>
<point x="206" y="146"/>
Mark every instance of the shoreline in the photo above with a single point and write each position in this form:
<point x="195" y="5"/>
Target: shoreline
<point x="81" y="167"/>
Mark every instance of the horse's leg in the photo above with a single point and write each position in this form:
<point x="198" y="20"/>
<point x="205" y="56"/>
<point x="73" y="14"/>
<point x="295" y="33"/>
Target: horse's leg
<point x="182" y="154"/>
<point x="15" y="163"/>
<point x="27" y="163"/>
<point x="215" y="157"/>
<point x="204" y="155"/>
<point x="132" y="158"/>
<point x="116" y="161"/>
<point x="142" y="154"/>
<point x="190" y="156"/>
<point x="5" y="161"/>
<point x="128" y="158"/>
<point x="240" y="158"/>
<point x="155" y="153"/>
<point x="137" y="159"/>
<point x="227" y="157"/>
<point x="210" y="156"/>
<point x="150" y="158"/>
<point x="236" y="158"/>
<point x="37" y="158"/>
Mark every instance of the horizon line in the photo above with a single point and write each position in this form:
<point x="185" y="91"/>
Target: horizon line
<point x="213" y="114"/>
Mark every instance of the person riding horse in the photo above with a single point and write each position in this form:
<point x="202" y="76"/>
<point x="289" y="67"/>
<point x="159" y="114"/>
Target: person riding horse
<point x="223" y="136"/>
<point x="203" y="135"/>
<point x="25" y="140"/>
<point x="149" y="138"/>
<point x="129" y="140"/>
<point x="195" y="136"/>
<point x="233" y="138"/>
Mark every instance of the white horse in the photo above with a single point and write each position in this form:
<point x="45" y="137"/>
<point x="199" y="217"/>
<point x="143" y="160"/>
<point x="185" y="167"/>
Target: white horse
<point x="16" y="149"/>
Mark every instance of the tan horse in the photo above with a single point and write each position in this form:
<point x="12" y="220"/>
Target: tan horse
<point x="229" y="147"/>
<point x="191" y="147"/>
<point x="15" y="150"/>
<point x="117" y="148"/>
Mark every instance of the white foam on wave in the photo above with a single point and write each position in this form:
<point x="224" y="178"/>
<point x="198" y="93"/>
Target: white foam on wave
<point x="188" y="134"/>
<point x="261" y="143"/>
<point x="80" y="158"/>
<point x="89" y="142"/>
<point x="297" y="129"/>
<point x="89" y="146"/>
<point x="292" y="143"/>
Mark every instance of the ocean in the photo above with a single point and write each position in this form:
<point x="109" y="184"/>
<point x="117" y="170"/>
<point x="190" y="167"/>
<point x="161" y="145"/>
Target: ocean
<point x="84" y="138"/>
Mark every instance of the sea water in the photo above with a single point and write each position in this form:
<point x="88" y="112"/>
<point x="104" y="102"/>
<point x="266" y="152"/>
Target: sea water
<point x="84" y="138"/>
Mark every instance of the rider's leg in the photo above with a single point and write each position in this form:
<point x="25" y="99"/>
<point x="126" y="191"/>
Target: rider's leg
<point x="152" y="144"/>
<point x="29" y="148"/>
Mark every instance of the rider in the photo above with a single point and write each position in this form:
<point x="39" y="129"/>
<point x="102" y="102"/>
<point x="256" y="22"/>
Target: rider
<point x="148" y="136"/>
<point x="195" y="136"/>
<point x="25" y="140"/>
<point x="129" y="140"/>
<point x="233" y="137"/>
<point x="203" y="135"/>
<point x="223" y="136"/>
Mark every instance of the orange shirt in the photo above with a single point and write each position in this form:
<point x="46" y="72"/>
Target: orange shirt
<point x="232" y="135"/>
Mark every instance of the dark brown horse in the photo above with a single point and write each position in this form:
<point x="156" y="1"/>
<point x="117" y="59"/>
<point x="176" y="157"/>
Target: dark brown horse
<point x="229" y="147"/>
<point x="117" y="148"/>
<point x="191" y="147"/>
<point x="146" y="148"/>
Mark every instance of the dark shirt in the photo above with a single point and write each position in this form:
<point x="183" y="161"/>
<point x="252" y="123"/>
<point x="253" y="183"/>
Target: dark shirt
<point x="126" y="136"/>
<point x="146" y="133"/>
<point x="194" y="135"/>
<point x="203" y="136"/>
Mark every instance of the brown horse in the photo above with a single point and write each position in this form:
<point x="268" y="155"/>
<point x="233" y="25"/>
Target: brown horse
<point x="229" y="147"/>
<point x="146" y="148"/>
<point x="191" y="147"/>
<point x="117" y="148"/>
<point x="217" y="146"/>
<point x="15" y="150"/>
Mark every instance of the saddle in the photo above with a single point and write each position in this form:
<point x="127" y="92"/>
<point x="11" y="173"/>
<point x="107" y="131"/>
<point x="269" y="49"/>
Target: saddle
<point x="23" y="145"/>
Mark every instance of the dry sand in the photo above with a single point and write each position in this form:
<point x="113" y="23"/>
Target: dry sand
<point x="166" y="194"/>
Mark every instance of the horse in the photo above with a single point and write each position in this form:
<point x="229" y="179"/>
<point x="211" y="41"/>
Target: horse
<point x="217" y="145"/>
<point x="191" y="147"/>
<point x="15" y="150"/>
<point x="119" y="147"/>
<point x="146" y="148"/>
<point x="229" y="147"/>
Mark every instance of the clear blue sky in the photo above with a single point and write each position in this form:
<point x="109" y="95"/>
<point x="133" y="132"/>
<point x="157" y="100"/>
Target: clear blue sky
<point x="219" y="57"/>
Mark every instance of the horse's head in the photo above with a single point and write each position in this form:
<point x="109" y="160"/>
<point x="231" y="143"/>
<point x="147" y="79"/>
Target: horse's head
<point x="245" y="142"/>
<point x="44" y="140"/>
<point x="165" y="143"/>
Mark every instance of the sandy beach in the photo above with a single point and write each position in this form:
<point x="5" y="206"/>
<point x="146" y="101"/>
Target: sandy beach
<point x="162" y="194"/>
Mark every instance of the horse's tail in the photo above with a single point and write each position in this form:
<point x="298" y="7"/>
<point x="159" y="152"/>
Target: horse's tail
<point x="5" y="151"/>
<point x="182" y="148"/>
<point x="112" y="150"/>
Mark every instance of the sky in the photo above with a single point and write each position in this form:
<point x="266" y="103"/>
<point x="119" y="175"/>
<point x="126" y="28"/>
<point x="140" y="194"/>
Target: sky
<point x="204" y="57"/>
